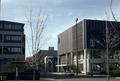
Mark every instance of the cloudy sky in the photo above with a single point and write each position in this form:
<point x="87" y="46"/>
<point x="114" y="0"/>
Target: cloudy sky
<point x="61" y="13"/>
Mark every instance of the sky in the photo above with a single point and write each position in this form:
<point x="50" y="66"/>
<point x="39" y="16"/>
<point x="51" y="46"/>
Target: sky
<point x="61" y="14"/>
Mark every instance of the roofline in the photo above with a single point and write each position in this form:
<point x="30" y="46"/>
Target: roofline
<point x="71" y="26"/>
<point x="100" y="20"/>
<point x="86" y="20"/>
<point x="11" y="22"/>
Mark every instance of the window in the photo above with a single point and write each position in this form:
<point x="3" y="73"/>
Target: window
<point x="0" y="38"/>
<point x="115" y="55"/>
<point x="96" y="54"/>
<point x="6" y="50"/>
<point x="81" y="67"/>
<point x="16" y="38"/>
<point x="97" y="67"/>
<point x="0" y="50"/>
<point x="58" y="40"/>
<point x="92" y="42"/>
<point x="12" y="50"/>
<point x="7" y="37"/>
<point x="7" y="26"/>
<point x="12" y="38"/>
<point x="1" y="25"/>
<point x="15" y="49"/>
<point x="10" y="26"/>
<point x="16" y="27"/>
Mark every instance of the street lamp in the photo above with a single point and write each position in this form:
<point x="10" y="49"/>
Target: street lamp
<point x="76" y="48"/>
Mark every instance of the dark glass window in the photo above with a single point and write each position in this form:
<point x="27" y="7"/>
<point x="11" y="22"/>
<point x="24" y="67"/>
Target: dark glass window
<point x="0" y="38"/>
<point x="9" y="26"/>
<point x="12" y="38"/>
<point x="16" y="27"/>
<point x="0" y="50"/>
<point x="12" y="50"/>
<point x="96" y="54"/>
<point x="6" y="50"/>
<point x="58" y="40"/>
<point x="15" y="49"/>
<point x="95" y="34"/>
<point x="1" y="26"/>
<point x="97" y="67"/>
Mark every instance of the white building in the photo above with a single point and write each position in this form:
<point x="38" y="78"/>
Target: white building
<point x="86" y="41"/>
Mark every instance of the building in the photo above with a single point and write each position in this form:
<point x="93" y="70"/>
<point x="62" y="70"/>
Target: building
<point x="86" y="41"/>
<point x="46" y="60"/>
<point x="12" y="43"/>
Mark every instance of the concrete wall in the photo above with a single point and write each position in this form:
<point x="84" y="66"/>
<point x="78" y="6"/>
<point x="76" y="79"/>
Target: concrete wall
<point x="67" y="39"/>
<point x="65" y="42"/>
<point x="80" y="36"/>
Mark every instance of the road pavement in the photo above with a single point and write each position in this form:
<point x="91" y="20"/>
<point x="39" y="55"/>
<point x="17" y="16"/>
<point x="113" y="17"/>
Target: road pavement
<point x="73" y="79"/>
<point x="79" y="79"/>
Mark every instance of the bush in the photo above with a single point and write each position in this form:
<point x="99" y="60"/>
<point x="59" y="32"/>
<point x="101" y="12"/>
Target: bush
<point x="115" y="73"/>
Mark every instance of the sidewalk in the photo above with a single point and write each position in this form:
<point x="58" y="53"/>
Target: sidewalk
<point x="117" y="77"/>
<point x="42" y="79"/>
<point x="69" y="75"/>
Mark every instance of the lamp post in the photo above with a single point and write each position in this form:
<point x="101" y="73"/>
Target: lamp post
<point x="76" y="48"/>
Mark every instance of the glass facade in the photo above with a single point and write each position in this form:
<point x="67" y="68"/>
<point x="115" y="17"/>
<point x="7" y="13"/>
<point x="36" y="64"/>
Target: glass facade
<point x="12" y="50"/>
<point x="13" y="38"/>
<point x="12" y="43"/>
<point x="95" y="34"/>
<point x="9" y="26"/>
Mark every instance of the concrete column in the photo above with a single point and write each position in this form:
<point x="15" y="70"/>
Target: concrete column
<point x="66" y="62"/>
<point x="71" y="58"/>
<point x="85" y="62"/>
<point x="88" y="61"/>
<point x="58" y="60"/>
<point x="66" y="59"/>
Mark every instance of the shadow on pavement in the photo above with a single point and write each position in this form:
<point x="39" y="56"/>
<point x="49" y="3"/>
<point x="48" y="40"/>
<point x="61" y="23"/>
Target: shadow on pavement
<point x="66" y="76"/>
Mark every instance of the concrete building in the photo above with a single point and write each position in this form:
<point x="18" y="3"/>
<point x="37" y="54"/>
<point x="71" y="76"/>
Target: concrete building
<point x="12" y="43"/>
<point x="86" y="41"/>
<point x="46" y="60"/>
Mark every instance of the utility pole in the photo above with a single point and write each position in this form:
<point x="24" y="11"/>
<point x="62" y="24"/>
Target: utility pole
<point x="76" y="47"/>
<point x="107" y="52"/>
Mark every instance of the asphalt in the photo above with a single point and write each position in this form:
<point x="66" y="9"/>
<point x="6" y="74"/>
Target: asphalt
<point x="69" y="75"/>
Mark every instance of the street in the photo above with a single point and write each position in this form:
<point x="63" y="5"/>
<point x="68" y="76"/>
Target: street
<point x="80" y="79"/>
<point x="72" y="79"/>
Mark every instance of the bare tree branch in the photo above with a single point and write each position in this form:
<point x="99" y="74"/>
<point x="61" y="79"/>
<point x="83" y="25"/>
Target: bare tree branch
<point x="113" y="15"/>
<point x="36" y="22"/>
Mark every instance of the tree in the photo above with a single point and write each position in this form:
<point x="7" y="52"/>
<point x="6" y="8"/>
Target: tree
<point x="112" y="38"/>
<point x="36" y="23"/>
<point x="9" y="67"/>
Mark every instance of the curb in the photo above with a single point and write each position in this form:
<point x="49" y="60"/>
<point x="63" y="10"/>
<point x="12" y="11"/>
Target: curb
<point x="117" y="78"/>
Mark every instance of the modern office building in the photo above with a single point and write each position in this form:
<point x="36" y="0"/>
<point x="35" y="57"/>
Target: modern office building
<point x="12" y="43"/>
<point x="86" y="41"/>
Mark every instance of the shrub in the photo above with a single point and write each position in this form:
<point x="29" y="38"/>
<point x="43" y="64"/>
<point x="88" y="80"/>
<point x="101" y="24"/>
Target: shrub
<point x="115" y="73"/>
